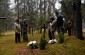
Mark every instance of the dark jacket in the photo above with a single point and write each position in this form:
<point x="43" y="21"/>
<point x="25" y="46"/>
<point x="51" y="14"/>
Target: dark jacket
<point x="59" y="21"/>
<point x="25" y="26"/>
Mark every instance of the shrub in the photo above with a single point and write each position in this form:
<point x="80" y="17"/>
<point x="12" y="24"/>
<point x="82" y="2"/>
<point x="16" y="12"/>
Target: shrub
<point x="61" y="37"/>
<point x="43" y="42"/>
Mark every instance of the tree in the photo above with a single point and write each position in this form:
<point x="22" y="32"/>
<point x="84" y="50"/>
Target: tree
<point x="17" y="7"/>
<point x="83" y="13"/>
<point x="78" y="20"/>
<point x="5" y="11"/>
<point x="74" y="14"/>
<point x="36" y="11"/>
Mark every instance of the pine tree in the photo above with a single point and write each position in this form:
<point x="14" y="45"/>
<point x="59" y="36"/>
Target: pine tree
<point x="43" y="42"/>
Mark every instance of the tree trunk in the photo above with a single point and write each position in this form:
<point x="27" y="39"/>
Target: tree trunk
<point x="49" y="9"/>
<point x="40" y="8"/>
<point x="44" y="10"/>
<point x="78" y="20"/>
<point x="18" y="10"/>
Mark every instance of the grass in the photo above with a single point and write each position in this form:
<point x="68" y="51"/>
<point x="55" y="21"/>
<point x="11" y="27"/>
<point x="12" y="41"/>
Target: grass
<point x="9" y="47"/>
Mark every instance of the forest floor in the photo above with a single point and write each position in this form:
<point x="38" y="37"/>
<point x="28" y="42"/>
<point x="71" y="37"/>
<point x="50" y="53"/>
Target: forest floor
<point x="9" y="47"/>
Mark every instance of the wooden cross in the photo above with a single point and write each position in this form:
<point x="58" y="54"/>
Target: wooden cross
<point x="44" y="26"/>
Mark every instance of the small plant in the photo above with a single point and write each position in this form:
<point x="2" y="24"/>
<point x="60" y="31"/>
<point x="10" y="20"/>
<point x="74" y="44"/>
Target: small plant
<point x="43" y="42"/>
<point x="33" y="44"/>
<point x="61" y="38"/>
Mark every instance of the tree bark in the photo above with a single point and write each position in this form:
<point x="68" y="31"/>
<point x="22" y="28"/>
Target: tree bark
<point x="78" y="20"/>
<point x="18" y="10"/>
<point x="49" y="8"/>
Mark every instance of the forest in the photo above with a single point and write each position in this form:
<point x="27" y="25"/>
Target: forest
<point x="36" y="14"/>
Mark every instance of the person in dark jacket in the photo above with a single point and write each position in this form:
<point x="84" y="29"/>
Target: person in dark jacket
<point x="59" y="23"/>
<point x="25" y="26"/>
<point x="69" y="28"/>
<point x="60" y="28"/>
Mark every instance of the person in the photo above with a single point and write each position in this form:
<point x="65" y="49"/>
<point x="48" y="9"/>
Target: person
<point x="51" y="30"/>
<point x="21" y="25"/>
<point x="24" y="30"/>
<point x="60" y="28"/>
<point x="59" y="23"/>
<point x="17" y="31"/>
<point x="69" y="28"/>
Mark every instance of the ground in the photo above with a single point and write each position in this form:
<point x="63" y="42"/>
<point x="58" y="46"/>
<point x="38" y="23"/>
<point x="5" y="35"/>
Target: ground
<point x="9" y="47"/>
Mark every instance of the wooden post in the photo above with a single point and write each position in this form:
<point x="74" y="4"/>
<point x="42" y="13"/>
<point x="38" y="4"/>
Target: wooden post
<point x="44" y="28"/>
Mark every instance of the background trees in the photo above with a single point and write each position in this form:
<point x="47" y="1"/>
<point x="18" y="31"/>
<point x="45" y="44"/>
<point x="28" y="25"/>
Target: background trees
<point x="5" y="12"/>
<point x="39" y="11"/>
<point x="72" y="11"/>
<point x="36" y="11"/>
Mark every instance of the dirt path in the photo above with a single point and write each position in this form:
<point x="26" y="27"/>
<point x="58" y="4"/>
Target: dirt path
<point x="26" y="51"/>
